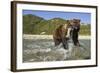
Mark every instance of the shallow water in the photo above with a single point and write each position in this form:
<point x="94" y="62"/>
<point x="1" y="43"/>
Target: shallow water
<point x="39" y="50"/>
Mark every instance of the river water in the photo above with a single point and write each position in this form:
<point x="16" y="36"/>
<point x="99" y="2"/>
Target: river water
<point x="39" y="50"/>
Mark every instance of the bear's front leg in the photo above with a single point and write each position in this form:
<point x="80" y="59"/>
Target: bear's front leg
<point x="65" y="43"/>
<point x="57" y="42"/>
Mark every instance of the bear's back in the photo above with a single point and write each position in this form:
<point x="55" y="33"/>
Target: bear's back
<point x="59" y="32"/>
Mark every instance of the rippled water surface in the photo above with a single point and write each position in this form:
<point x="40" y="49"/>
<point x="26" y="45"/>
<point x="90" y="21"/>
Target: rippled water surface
<point x="39" y="50"/>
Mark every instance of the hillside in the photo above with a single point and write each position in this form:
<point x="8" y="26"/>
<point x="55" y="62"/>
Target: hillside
<point x="29" y="23"/>
<point x="33" y="24"/>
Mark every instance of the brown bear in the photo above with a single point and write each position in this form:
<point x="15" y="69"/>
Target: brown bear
<point x="59" y="35"/>
<point x="63" y="32"/>
<point x="75" y="27"/>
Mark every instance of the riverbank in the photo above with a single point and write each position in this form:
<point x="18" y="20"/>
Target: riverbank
<point x="29" y="36"/>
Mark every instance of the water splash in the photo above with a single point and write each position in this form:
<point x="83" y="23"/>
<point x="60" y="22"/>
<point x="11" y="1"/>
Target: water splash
<point x="44" y="50"/>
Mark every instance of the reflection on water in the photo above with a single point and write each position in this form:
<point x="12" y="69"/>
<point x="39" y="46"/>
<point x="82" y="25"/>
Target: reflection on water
<point x="39" y="50"/>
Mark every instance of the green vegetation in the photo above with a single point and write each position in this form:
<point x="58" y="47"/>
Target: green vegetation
<point x="33" y="24"/>
<point x="85" y="30"/>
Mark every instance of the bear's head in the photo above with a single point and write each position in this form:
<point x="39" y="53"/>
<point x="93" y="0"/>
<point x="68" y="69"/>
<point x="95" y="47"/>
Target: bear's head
<point x="75" y="22"/>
